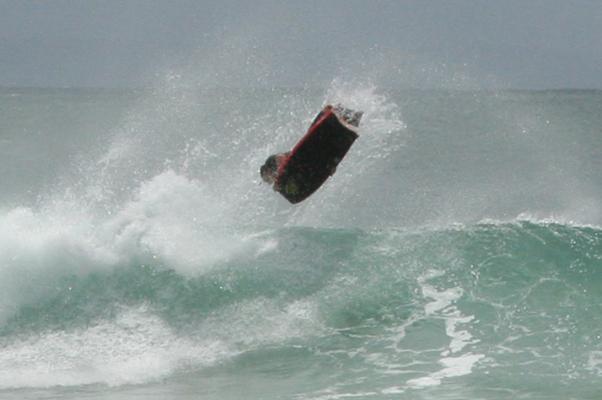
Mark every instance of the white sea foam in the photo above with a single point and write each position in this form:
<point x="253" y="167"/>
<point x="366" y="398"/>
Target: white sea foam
<point x="452" y="367"/>
<point x="442" y="306"/>
<point x="171" y="220"/>
<point x="135" y="347"/>
<point x="36" y="247"/>
<point x="179" y="220"/>
<point x="138" y="346"/>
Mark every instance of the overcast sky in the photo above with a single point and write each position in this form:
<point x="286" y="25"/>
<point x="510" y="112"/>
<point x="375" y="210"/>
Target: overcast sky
<point x="412" y="43"/>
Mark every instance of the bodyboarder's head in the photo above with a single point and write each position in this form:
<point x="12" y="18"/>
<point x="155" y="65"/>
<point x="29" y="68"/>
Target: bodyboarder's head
<point x="269" y="169"/>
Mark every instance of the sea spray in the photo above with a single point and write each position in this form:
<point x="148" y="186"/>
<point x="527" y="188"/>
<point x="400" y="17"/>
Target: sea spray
<point x="444" y="258"/>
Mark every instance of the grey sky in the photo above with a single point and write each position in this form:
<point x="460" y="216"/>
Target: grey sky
<point x="413" y="43"/>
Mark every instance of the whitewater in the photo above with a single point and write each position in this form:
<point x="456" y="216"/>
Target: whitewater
<point x="455" y="254"/>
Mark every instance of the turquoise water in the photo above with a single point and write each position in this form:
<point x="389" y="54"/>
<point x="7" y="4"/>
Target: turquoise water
<point x="455" y="254"/>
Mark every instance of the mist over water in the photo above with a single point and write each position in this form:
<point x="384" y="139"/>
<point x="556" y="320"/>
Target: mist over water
<point x="456" y="251"/>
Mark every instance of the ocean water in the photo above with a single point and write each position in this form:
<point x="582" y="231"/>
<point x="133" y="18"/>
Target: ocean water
<point x="455" y="254"/>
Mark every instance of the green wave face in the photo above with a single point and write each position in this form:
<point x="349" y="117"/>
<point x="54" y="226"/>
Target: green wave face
<point x="414" y="311"/>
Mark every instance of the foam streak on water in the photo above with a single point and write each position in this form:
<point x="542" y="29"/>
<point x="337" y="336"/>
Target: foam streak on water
<point x="441" y="306"/>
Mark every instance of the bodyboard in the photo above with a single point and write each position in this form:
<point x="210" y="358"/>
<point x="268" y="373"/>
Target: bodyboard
<point x="314" y="158"/>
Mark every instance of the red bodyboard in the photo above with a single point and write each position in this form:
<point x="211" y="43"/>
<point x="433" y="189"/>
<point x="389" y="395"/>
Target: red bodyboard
<point x="315" y="157"/>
